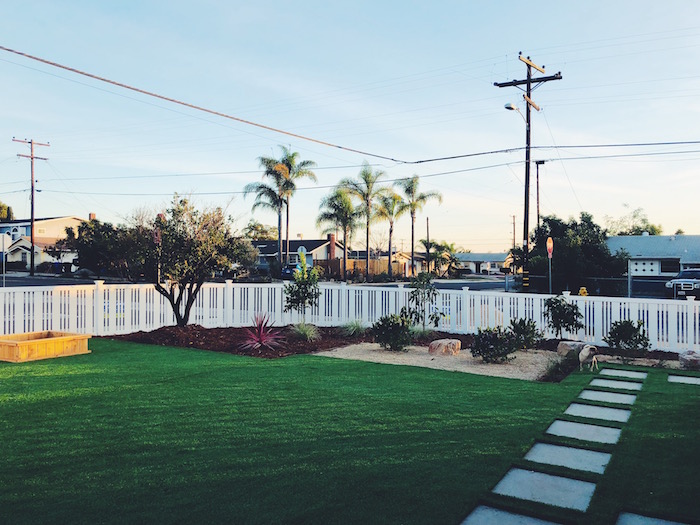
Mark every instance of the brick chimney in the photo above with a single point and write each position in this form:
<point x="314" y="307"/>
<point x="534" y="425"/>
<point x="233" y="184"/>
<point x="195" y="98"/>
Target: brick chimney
<point x="331" y="246"/>
<point x="92" y="216"/>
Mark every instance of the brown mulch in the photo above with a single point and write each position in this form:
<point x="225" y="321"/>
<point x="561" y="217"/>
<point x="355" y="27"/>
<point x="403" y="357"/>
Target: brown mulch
<point x="229" y="340"/>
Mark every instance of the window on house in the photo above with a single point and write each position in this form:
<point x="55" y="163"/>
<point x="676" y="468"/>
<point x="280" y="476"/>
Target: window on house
<point x="670" y="266"/>
<point x="39" y="231"/>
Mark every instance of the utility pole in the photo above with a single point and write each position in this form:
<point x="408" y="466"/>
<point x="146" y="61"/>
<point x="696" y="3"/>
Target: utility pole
<point x="31" y="157"/>
<point x="538" y="163"/>
<point x="513" y="231"/>
<point x="530" y="84"/>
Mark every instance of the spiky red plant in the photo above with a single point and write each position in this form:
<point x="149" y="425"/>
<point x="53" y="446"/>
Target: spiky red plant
<point x="262" y="334"/>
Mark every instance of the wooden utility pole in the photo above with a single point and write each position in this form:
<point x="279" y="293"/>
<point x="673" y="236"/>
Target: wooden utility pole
<point x="513" y="231"/>
<point x="538" y="163"/>
<point x="530" y="84"/>
<point x="31" y="157"/>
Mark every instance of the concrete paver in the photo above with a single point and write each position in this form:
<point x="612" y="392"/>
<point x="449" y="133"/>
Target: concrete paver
<point x="608" y="397"/>
<point x="574" y="458"/>
<point x="584" y="432"/>
<point x="627" y="518"/>
<point x="629" y="374"/>
<point x="483" y="515"/>
<point x="545" y="488"/>
<point x="684" y="379"/>
<point x="608" y="414"/>
<point x="611" y="383"/>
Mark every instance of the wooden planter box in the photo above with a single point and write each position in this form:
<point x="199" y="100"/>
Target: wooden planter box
<point x="18" y="348"/>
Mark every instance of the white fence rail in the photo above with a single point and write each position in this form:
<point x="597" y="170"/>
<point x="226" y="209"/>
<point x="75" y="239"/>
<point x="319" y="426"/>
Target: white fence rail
<point x="102" y="309"/>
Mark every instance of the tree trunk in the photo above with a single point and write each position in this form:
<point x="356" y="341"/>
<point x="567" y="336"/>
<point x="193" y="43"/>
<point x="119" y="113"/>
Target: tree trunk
<point x="286" y="250"/>
<point x="279" y="236"/>
<point x="367" y="247"/>
<point x="413" y="233"/>
<point x="345" y="254"/>
<point x="391" y="232"/>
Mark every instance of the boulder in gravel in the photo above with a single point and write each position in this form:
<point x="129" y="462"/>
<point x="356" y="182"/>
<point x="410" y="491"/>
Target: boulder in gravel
<point x="566" y="348"/>
<point x="689" y="360"/>
<point x="445" y="347"/>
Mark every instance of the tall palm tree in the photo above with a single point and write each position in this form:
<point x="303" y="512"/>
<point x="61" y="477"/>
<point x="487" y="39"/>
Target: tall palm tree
<point x="292" y="169"/>
<point x="271" y="196"/>
<point x="391" y="207"/>
<point x="337" y="212"/>
<point x="415" y="202"/>
<point x="367" y="190"/>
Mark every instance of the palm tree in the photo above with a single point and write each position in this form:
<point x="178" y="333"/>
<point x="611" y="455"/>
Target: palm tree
<point x="337" y="212"/>
<point x="366" y="189"/>
<point x="292" y="169"/>
<point x="271" y="196"/>
<point x="415" y="202"/>
<point x="391" y="207"/>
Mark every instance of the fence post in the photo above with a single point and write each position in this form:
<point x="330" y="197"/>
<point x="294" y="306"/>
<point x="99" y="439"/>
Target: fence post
<point x="99" y="307"/>
<point x="342" y="303"/>
<point x="228" y="303"/>
<point x="466" y="315"/>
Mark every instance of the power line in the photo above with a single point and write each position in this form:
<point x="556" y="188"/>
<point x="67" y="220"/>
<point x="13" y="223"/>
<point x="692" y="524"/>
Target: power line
<point x="193" y="106"/>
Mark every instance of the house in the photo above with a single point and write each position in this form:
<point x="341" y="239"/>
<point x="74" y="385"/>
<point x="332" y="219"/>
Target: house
<point x="658" y="255"/>
<point x="316" y="249"/>
<point x="483" y="263"/>
<point x="46" y="232"/>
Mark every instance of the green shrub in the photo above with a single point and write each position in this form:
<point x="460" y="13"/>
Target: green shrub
<point x="305" y="332"/>
<point x="494" y="345"/>
<point x="628" y="338"/>
<point x="418" y="333"/>
<point x="423" y="294"/>
<point x="392" y="332"/>
<point x="303" y="292"/>
<point x="353" y="329"/>
<point x="562" y="315"/>
<point x="526" y="333"/>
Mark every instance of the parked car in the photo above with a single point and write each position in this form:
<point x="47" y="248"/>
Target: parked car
<point x="288" y="272"/>
<point x="684" y="284"/>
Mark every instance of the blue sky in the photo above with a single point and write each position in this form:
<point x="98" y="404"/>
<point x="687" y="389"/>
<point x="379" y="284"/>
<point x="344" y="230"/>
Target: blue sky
<point x="406" y="80"/>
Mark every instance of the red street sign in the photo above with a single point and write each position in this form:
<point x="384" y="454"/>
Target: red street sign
<point x="550" y="247"/>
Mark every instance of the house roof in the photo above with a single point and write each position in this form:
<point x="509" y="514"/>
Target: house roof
<point x="268" y="248"/>
<point x="45" y="219"/>
<point x="686" y="248"/>
<point x="481" y="257"/>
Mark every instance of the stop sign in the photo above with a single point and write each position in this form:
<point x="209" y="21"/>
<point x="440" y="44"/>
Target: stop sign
<point x="550" y="247"/>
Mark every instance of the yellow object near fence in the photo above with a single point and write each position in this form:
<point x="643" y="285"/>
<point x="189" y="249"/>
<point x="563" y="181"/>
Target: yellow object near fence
<point x="31" y="346"/>
<point x="582" y="291"/>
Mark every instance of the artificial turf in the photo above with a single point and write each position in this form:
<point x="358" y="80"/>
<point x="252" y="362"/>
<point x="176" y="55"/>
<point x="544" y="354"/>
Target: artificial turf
<point x="135" y="433"/>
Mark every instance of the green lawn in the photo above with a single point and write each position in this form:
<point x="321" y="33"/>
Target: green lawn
<point x="135" y="433"/>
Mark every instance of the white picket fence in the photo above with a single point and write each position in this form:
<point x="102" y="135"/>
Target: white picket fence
<point x="102" y="309"/>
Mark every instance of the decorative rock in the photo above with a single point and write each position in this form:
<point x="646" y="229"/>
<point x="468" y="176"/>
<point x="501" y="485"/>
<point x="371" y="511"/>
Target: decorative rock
<point x="445" y="347"/>
<point x="565" y="348"/>
<point x="689" y="360"/>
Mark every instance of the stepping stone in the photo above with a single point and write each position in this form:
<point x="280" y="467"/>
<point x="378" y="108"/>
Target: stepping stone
<point x="684" y="379"/>
<point x="584" y="432"/>
<point x="613" y="372"/>
<point x="627" y="518"/>
<point x="575" y="458"/>
<point x="622" y="385"/>
<point x="483" y="515"/>
<point x="608" y="397"/>
<point x="545" y="488"/>
<point x="594" y="412"/>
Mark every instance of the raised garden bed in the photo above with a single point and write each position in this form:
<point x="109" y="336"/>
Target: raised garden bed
<point x="31" y="346"/>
